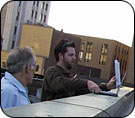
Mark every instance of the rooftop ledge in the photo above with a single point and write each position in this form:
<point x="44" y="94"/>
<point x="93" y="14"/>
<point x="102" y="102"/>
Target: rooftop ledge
<point x="88" y="105"/>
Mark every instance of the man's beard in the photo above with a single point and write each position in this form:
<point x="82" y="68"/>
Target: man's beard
<point x="67" y="65"/>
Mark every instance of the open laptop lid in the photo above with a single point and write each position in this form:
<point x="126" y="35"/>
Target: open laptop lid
<point x="121" y="82"/>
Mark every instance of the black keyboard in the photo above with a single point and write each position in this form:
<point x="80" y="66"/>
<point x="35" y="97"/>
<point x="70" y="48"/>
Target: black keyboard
<point x="107" y="93"/>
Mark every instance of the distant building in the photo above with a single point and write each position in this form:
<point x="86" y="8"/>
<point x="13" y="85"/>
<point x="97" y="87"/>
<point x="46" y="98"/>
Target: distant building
<point x="130" y="73"/>
<point x="96" y="57"/>
<point x="15" y="13"/>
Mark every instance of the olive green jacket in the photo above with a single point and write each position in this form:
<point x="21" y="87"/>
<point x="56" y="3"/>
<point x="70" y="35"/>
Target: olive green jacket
<point x="60" y="84"/>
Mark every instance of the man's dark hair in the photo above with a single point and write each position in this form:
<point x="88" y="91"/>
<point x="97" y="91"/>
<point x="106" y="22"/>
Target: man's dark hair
<point x="61" y="47"/>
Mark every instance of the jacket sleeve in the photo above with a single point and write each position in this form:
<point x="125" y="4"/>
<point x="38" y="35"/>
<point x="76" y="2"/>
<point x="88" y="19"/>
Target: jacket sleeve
<point x="103" y="86"/>
<point x="59" y="83"/>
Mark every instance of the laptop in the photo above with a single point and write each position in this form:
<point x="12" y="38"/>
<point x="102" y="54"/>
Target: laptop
<point x="119" y="82"/>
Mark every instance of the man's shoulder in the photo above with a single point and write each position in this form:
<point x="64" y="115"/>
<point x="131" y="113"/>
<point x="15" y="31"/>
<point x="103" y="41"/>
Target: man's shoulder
<point x="51" y="68"/>
<point x="7" y="87"/>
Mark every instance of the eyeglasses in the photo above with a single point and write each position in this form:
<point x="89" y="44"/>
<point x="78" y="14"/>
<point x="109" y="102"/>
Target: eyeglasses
<point x="36" y="67"/>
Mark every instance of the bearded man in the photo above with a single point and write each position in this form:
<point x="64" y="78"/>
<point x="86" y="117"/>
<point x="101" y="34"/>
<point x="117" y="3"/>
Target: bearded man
<point x="58" y="82"/>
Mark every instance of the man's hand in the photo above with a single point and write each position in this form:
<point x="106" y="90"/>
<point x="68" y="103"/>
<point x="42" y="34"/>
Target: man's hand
<point x="112" y="83"/>
<point x="93" y="87"/>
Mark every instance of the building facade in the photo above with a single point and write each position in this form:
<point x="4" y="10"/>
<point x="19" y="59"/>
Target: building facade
<point x="96" y="57"/>
<point x="15" y="14"/>
<point x="130" y="73"/>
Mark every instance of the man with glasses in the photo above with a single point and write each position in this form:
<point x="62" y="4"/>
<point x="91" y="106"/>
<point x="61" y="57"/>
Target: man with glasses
<point x="58" y="82"/>
<point x="20" y="66"/>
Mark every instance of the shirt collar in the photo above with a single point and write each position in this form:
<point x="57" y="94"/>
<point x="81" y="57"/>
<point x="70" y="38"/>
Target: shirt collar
<point x="15" y="82"/>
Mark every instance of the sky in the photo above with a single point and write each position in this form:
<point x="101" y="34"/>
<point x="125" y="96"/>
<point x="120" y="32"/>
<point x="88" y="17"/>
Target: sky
<point x="110" y="20"/>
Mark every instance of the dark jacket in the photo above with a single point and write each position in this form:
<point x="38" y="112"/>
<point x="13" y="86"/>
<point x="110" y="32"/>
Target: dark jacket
<point x="60" y="84"/>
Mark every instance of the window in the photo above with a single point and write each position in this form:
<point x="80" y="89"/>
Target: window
<point x="46" y="7"/>
<point x="102" y="59"/>
<point x="32" y="13"/>
<point x="15" y="29"/>
<point x="122" y="50"/>
<point x="17" y="17"/>
<point x="44" y="18"/>
<point x="41" y="16"/>
<point x="19" y="3"/>
<point x="82" y="46"/>
<point x="88" y="57"/>
<point x="35" y="14"/>
<point x="103" y="55"/>
<point x="80" y="56"/>
<point x="127" y="52"/>
<point x="43" y="5"/>
<point x="119" y="50"/>
<point x="33" y="2"/>
<point x="104" y="49"/>
<point x="13" y="44"/>
<point x="88" y="54"/>
<point x="81" y="53"/>
<point x="37" y="3"/>
<point x="125" y="65"/>
<point x="116" y="49"/>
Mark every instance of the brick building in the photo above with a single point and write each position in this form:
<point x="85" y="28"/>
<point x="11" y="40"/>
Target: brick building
<point x="96" y="57"/>
<point x="130" y="72"/>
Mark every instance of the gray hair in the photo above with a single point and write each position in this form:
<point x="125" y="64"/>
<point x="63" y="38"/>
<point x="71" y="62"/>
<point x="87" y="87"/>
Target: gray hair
<point x="18" y="58"/>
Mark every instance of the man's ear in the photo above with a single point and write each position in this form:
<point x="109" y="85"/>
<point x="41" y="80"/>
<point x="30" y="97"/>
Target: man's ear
<point x="27" y="68"/>
<point x="60" y="56"/>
